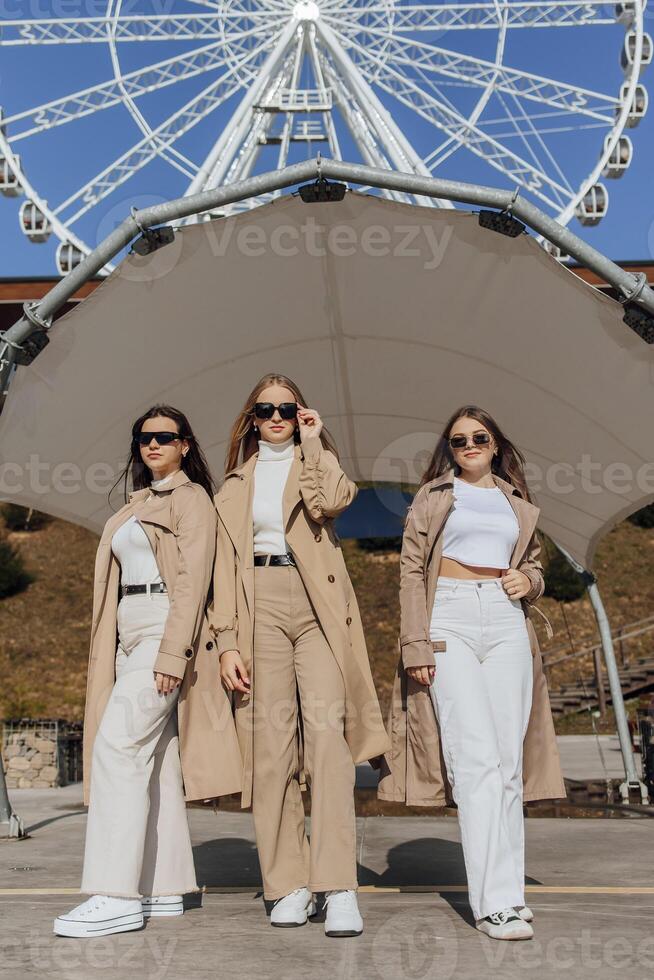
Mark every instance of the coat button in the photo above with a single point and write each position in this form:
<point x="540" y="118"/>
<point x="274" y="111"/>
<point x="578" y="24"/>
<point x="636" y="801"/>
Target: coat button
<point x="209" y="644"/>
<point x="317" y="537"/>
<point x="330" y="578"/>
<point x="188" y="653"/>
<point x="348" y="620"/>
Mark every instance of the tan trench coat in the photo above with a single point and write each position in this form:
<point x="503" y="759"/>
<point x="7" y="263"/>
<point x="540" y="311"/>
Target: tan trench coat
<point x="316" y="491"/>
<point x="414" y="771"/>
<point x="180" y="523"/>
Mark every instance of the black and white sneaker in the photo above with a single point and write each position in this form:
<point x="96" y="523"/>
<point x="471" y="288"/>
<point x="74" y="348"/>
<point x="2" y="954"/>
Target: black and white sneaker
<point x="100" y="915"/>
<point x="162" y="906"/>
<point x="505" y="924"/>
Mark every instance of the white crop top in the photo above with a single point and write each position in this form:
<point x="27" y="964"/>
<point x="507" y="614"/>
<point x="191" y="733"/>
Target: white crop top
<point x="131" y="546"/>
<point x="270" y="475"/>
<point x="482" y="529"/>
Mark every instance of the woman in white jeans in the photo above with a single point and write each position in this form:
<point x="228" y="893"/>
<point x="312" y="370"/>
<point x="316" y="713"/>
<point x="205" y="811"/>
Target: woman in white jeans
<point x="481" y="684"/>
<point x="153" y="687"/>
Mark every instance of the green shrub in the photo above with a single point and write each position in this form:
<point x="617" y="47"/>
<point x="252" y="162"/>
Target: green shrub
<point x="19" y="518"/>
<point x="380" y="544"/>
<point x="13" y="576"/>
<point x="562" y="582"/>
<point x="643" y="517"/>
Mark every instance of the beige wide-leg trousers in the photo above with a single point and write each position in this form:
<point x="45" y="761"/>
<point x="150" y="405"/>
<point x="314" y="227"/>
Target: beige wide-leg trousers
<point x="293" y="661"/>
<point x="137" y="835"/>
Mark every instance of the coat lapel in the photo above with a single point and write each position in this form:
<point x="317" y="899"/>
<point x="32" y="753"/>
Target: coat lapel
<point x="525" y="512"/>
<point x="234" y="505"/>
<point x="234" y="502"/>
<point x="150" y="507"/>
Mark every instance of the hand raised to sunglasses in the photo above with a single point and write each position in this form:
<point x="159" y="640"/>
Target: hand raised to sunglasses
<point x="309" y="423"/>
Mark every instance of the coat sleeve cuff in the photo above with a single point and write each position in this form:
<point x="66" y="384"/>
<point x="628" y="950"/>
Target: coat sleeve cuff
<point x="418" y="653"/>
<point x="537" y="584"/>
<point x="172" y="663"/>
<point x="311" y="449"/>
<point x="225" y="640"/>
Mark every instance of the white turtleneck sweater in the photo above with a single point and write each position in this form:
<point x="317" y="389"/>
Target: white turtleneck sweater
<point x="131" y="546"/>
<point x="270" y="475"/>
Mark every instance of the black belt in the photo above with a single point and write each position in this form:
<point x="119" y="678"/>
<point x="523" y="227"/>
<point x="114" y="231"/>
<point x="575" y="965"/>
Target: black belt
<point x="286" y="559"/>
<point x="143" y="589"/>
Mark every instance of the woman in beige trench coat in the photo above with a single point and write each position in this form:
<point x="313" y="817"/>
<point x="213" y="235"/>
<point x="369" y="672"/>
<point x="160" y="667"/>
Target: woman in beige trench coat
<point x="477" y="656"/>
<point x="286" y="619"/>
<point x="153" y="688"/>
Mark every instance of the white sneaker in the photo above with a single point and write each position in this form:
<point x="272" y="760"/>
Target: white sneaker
<point x="162" y="905"/>
<point x="505" y="924"/>
<point x="343" y="917"/>
<point x="100" y="915"/>
<point x="293" y="909"/>
<point x="524" y="912"/>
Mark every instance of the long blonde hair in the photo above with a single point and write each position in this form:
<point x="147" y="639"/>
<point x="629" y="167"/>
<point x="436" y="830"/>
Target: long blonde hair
<point x="243" y="440"/>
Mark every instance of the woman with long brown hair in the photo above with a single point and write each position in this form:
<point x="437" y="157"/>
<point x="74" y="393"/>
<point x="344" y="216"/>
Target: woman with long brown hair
<point x="153" y="689"/>
<point x="469" y="575"/>
<point x="293" y="653"/>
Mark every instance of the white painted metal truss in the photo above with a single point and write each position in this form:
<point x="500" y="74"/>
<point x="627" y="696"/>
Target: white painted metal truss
<point x="318" y="74"/>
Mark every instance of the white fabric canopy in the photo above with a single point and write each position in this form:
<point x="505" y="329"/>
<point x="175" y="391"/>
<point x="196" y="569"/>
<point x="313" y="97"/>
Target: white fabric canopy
<point x="387" y="315"/>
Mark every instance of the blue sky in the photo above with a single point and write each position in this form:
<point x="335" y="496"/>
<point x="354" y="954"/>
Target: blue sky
<point x="60" y="161"/>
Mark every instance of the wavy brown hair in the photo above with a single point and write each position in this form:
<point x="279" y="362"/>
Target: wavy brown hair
<point x="194" y="463"/>
<point x="243" y="440"/>
<point x="508" y="464"/>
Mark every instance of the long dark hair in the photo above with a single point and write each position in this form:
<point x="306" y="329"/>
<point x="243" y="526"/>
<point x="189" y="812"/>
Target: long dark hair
<point x="508" y="464"/>
<point x="243" y="436"/>
<point x="194" y="463"/>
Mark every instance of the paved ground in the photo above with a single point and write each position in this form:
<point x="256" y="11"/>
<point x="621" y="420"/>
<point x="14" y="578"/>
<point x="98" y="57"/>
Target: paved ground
<point x="591" y="757"/>
<point x="590" y="884"/>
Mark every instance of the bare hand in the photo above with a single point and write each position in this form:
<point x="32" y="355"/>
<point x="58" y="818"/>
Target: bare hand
<point x="516" y="584"/>
<point x="166" y="683"/>
<point x="233" y="673"/>
<point x="309" y="423"/>
<point x="423" y="675"/>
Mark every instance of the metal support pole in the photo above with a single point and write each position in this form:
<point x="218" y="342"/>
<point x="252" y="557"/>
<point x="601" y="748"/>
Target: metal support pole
<point x="11" y="826"/>
<point x="599" y="681"/>
<point x="632" y="780"/>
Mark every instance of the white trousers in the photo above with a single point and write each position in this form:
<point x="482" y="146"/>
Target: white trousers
<point x="481" y="692"/>
<point x="137" y="835"/>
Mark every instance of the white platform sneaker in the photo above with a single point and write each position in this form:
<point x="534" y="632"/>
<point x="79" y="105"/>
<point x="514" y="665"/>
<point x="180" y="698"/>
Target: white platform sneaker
<point x="343" y="917"/>
<point x="524" y="912"/>
<point x="293" y="909"/>
<point x="505" y="924"/>
<point x="100" y="915"/>
<point x="155" y="906"/>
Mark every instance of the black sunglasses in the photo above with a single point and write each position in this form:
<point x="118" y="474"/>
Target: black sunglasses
<point x="266" y="410"/>
<point x="162" y="438"/>
<point x="478" y="438"/>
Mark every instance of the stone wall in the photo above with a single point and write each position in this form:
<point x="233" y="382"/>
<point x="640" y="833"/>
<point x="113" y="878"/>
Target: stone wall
<point x="41" y="755"/>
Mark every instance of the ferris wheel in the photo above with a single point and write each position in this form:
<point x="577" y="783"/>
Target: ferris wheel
<point x="495" y="92"/>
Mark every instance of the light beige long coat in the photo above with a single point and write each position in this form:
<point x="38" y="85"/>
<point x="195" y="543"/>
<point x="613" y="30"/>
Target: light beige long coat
<point x="316" y="491"/>
<point x="413" y="771"/>
<point x="180" y="523"/>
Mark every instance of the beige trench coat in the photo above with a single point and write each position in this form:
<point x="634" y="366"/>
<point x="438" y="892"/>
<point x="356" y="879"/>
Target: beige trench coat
<point x="414" y="771"/>
<point x="316" y="491"/>
<point x="180" y="523"/>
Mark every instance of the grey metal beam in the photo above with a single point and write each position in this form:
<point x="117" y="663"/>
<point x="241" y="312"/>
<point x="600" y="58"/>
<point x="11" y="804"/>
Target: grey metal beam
<point x="633" y="287"/>
<point x="632" y="779"/>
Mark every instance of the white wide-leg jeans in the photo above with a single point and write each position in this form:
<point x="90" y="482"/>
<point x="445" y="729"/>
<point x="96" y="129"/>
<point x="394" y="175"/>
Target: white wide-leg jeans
<point x="137" y="835"/>
<point x="481" y="692"/>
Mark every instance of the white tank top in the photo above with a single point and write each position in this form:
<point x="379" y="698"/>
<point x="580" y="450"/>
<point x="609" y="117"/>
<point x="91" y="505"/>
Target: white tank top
<point x="131" y="546"/>
<point x="482" y="529"/>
